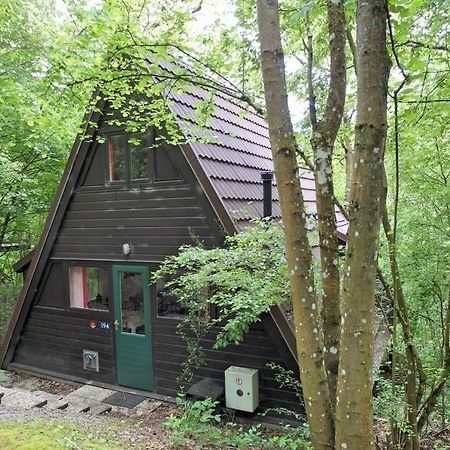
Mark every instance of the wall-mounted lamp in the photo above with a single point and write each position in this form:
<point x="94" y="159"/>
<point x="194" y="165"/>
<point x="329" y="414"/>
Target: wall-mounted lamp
<point x="126" y="249"/>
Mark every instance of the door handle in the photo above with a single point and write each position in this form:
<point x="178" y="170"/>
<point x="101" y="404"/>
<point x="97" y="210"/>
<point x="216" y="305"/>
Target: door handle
<point x="116" y="325"/>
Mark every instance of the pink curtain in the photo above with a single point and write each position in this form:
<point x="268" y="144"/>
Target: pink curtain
<point x="78" y="287"/>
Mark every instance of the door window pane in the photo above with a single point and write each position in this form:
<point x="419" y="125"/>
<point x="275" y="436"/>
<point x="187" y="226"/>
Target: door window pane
<point x="132" y="299"/>
<point x="139" y="148"/>
<point x="89" y="288"/>
<point x="117" y="146"/>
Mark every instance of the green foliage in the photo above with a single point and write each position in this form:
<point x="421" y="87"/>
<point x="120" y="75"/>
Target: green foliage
<point x="8" y="296"/>
<point x="387" y="403"/>
<point x="423" y="229"/>
<point x="192" y="329"/>
<point x="201" y="422"/>
<point x="37" y="125"/>
<point x="286" y="379"/>
<point x="242" y="280"/>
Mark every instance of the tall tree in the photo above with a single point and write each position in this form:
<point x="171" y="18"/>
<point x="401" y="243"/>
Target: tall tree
<point x="353" y="409"/>
<point x="324" y="133"/>
<point x="351" y="425"/>
<point x="308" y="329"/>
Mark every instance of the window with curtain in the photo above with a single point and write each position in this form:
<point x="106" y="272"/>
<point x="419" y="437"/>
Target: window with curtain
<point x="89" y="287"/>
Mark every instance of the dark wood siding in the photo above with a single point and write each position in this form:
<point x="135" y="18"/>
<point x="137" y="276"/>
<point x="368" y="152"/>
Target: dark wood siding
<point x="54" y="339"/>
<point x="53" y="290"/>
<point x="257" y="350"/>
<point x="93" y="173"/>
<point x="155" y="218"/>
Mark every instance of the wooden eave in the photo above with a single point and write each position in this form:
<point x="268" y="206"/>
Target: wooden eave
<point x="24" y="262"/>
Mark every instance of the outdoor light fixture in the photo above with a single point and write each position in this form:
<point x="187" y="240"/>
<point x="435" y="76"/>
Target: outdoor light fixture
<point x="126" y="249"/>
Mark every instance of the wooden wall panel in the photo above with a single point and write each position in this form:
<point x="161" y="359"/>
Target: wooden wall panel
<point x="52" y="291"/>
<point x="54" y="340"/>
<point x="155" y="218"/>
<point x="256" y="352"/>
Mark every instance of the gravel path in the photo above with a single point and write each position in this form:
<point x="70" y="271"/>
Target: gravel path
<point x="137" y="427"/>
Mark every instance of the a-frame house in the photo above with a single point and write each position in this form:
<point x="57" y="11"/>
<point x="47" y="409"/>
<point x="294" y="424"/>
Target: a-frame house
<point x="120" y="209"/>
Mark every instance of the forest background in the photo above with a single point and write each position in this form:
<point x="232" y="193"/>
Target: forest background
<point x="53" y="54"/>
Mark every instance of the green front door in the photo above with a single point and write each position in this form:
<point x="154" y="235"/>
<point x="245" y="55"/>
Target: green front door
<point x="132" y="326"/>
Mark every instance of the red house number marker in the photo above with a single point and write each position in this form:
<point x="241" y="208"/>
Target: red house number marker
<point x="238" y="381"/>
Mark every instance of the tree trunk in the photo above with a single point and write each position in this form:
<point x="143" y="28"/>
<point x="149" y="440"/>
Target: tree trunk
<point x="298" y="251"/>
<point x="323" y="139"/>
<point x="354" y="417"/>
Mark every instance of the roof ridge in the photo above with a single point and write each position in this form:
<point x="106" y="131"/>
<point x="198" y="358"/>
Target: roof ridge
<point x="168" y="66"/>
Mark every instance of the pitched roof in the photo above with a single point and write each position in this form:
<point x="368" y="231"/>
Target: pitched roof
<point x="235" y="153"/>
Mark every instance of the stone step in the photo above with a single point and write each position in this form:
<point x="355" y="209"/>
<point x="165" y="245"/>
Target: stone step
<point x="78" y="405"/>
<point x="147" y="407"/>
<point x="89" y="392"/>
<point x="58" y="403"/>
<point x="87" y="399"/>
<point x="100" y="408"/>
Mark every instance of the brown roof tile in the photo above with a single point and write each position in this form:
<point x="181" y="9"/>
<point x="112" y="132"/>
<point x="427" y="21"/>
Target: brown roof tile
<point x="233" y="151"/>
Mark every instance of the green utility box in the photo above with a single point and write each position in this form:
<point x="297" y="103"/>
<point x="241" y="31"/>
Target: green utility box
<point x="241" y="388"/>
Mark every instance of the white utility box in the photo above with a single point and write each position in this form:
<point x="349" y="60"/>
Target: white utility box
<point x="241" y="388"/>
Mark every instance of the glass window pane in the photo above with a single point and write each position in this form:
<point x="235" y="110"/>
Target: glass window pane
<point x="116" y="147"/>
<point x="139" y="148"/>
<point x="168" y="305"/>
<point x="132" y="298"/>
<point x="89" y="288"/>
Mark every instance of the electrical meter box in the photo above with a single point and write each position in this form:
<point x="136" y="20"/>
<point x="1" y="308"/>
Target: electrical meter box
<point x="241" y="388"/>
<point x="90" y="360"/>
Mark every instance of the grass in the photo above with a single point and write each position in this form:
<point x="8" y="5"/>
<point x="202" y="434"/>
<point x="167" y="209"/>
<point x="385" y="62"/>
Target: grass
<point x="40" y="435"/>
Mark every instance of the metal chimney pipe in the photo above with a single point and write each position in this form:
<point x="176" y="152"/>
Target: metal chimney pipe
<point x="267" y="178"/>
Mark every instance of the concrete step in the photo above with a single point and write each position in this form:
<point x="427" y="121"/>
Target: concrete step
<point x="87" y="399"/>
<point x="147" y="407"/>
<point x="91" y="393"/>
<point x="100" y="408"/>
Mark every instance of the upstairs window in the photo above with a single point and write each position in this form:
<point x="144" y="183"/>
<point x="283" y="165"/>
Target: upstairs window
<point x="116" y="158"/>
<point x="89" y="287"/>
<point x="128" y="158"/>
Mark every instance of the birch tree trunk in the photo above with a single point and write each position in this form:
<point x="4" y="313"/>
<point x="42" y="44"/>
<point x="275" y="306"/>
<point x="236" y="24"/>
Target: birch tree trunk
<point x="308" y="328"/>
<point x="354" y="417"/>
<point x="322" y="142"/>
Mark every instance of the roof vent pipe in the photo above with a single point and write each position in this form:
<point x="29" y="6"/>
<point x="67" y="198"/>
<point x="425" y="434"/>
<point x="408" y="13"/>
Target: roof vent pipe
<point x="267" y="178"/>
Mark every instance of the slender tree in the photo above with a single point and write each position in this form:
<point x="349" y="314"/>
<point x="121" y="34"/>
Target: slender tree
<point x="308" y="330"/>
<point x="324" y="133"/>
<point x="351" y="425"/>
<point x="354" y="396"/>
